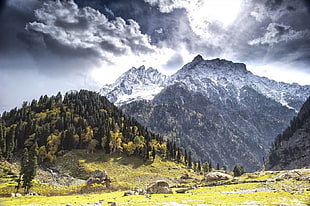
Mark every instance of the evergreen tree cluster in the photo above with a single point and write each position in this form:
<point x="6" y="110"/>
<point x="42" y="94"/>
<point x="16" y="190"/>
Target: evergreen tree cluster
<point x="79" y="120"/>
<point x="295" y="124"/>
<point x="238" y="170"/>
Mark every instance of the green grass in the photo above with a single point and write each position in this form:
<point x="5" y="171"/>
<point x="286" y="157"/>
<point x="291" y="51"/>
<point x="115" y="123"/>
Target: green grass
<point x="201" y="196"/>
<point x="130" y="172"/>
<point x="120" y="168"/>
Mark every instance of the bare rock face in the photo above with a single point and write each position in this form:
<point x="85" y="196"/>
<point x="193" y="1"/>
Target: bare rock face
<point x="159" y="187"/>
<point x="99" y="177"/>
<point x="216" y="176"/>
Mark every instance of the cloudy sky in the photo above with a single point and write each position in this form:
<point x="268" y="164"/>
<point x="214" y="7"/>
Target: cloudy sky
<point x="48" y="46"/>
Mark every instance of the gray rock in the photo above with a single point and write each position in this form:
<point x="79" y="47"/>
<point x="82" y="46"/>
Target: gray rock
<point x="99" y="177"/>
<point x="16" y="195"/>
<point x="216" y="176"/>
<point x="182" y="190"/>
<point x="159" y="187"/>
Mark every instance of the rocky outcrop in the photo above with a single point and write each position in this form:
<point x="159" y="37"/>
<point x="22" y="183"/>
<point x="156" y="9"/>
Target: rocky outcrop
<point x="136" y="191"/>
<point x="99" y="177"/>
<point x="216" y="176"/>
<point x="159" y="187"/>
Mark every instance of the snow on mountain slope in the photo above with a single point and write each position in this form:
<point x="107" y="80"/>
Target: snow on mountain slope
<point x="217" y="79"/>
<point x="200" y="74"/>
<point x="135" y="84"/>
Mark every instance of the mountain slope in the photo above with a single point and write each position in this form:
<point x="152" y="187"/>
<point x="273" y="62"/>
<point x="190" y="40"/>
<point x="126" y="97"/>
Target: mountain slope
<point x="291" y="149"/>
<point x="220" y="110"/>
<point x="224" y="134"/>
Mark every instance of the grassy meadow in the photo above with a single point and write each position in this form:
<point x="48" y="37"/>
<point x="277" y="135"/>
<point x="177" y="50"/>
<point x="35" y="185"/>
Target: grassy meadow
<point x="130" y="172"/>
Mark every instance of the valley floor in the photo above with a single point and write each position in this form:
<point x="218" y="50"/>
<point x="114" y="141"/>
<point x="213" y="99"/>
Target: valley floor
<point x="259" y="188"/>
<point x="279" y="193"/>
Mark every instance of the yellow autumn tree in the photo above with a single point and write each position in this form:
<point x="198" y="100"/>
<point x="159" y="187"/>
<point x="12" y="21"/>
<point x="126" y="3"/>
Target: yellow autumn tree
<point x="129" y="148"/>
<point x="116" y="140"/>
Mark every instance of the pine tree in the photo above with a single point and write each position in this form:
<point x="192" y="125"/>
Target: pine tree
<point x="179" y="155"/>
<point x="29" y="166"/>
<point x="199" y="166"/>
<point x="153" y="154"/>
<point x="206" y="167"/>
<point x="190" y="159"/>
<point x="2" y="139"/>
<point x="238" y="170"/>
<point x="10" y="144"/>
<point x="217" y="166"/>
<point x="210" y="166"/>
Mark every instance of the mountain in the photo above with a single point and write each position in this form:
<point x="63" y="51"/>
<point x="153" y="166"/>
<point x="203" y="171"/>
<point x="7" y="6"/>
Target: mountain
<point x="143" y="84"/>
<point x="135" y="84"/>
<point x="291" y="149"/>
<point x="216" y="108"/>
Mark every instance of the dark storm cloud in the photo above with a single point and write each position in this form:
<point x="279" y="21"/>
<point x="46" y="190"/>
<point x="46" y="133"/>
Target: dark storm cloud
<point x="264" y="32"/>
<point x="2" y="5"/>
<point x="307" y="4"/>
<point x="274" y="4"/>
<point x="280" y="33"/>
<point x="13" y="20"/>
<point x="87" y="31"/>
<point x="157" y="25"/>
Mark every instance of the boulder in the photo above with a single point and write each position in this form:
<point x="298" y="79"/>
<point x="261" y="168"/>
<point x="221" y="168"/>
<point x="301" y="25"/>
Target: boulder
<point x="216" y="176"/>
<point x="136" y="191"/>
<point x="159" y="187"/>
<point x="182" y="190"/>
<point x="129" y="192"/>
<point x="186" y="177"/>
<point x="16" y="195"/>
<point x="99" y="177"/>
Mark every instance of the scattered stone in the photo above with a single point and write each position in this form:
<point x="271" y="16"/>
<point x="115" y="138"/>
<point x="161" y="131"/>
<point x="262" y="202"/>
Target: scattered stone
<point x="136" y="191"/>
<point x="129" y="192"/>
<point x="186" y="177"/>
<point x="34" y="194"/>
<point x="159" y="187"/>
<point x="288" y="175"/>
<point x="175" y="168"/>
<point x="16" y="195"/>
<point x="140" y="191"/>
<point x="182" y="190"/>
<point x="99" y="203"/>
<point x="112" y="203"/>
<point x="68" y="204"/>
<point x="99" y="177"/>
<point x="216" y="176"/>
<point x="248" y="191"/>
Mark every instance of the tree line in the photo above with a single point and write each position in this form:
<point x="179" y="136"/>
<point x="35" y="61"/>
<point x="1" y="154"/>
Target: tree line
<point x="47" y="128"/>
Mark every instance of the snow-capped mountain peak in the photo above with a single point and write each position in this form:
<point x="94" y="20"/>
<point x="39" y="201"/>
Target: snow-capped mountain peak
<point x="217" y="79"/>
<point x="135" y="84"/>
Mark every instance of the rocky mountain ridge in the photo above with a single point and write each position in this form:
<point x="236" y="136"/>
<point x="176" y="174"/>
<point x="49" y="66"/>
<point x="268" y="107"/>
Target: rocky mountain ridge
<point x="143" y="84"/>
<point x="216" y="108"/>
<point x="135" y="84"/>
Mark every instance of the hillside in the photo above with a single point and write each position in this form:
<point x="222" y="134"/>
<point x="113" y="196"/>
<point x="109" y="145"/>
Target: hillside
<point x="42" y="132"/>
<point x="291" y="149"/>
